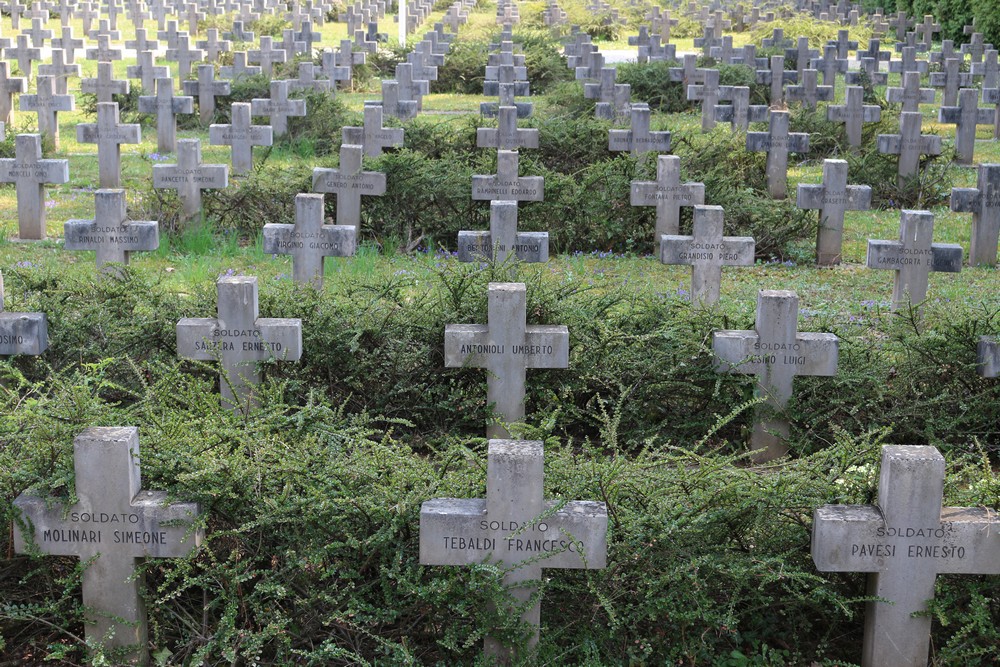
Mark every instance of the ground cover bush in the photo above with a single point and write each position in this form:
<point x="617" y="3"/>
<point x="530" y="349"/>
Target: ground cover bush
<point x="311" y="504"/>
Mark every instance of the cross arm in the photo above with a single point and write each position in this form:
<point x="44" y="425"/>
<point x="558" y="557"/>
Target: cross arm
<point x="966" y="200"/>
<point x="23" y="333"/>
<point x="818" y="354"/>
<point x="889" y="143"/>
<point x="546" y="346"/>
<point x="733" y="351"/>
<point x="810" y="196"/>
<point x="196" y="338"/>
<point x="798" y="142"/>
<point x="466" y="345"/>
<point x="947" y="257"/>
<point x="283" y="337"/>
<point x="844" y="540"/>
<point x="182" y="104"/>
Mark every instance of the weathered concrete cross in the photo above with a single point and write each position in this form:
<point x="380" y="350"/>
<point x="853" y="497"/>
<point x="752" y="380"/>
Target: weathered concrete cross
<point x="372" y="135"/>
<point x="206" y="88"/>
<point x="309" y="241"/>
<point x="983" y="201"/>
<point x="777" y="142"/>
<point x="910" y="95"/>
<point x="47" y="105"/>
<point x="189" y="176"/>
<point x="349" y="183"/>
<point x="909" y="145"/>
<point x="111" y="234"/>
<point x="278" y="108"/>
<point x="29" y="172"/>
<point x="739" y="112"/>
<point x="506" y="184"/>
<point x="166" y="106"/>
<point x="667" y="194"/>
<point x="853" y="113"/>
<point x="241" y="136"/>
<point x="503" y="239"/>
<point x="507" y="136"/>
<point x="965" y="117"/>
<point x="833" y="197"/>
<point x="639" y="140"/>
<point x="109" y="134"/>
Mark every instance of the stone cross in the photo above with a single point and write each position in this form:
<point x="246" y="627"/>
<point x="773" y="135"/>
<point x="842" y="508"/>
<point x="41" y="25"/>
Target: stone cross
<point x="808" y="91"/>
<point x="904" y="543"/>
<point x="240" y="34"/>
<point x="908" y="62"/>
<point x="988" y="356"/>
<point x="639" y="140"/>
<point x="24" y="55"/>
<point x="988" y="70"/>
<point x="830" y="65"/>
<point x="506" y="184"/>
<point x="206" y="88"/>
<point x="22" y="333"/>
<point x="778" y="143"/>
<point x="47" y="105"/>
<point x="911" y="95"/>
<point x="707" y="251"/>
<point x="266" y="55"/>
<point x="241" y="136"/>
<point x="189" y="176"/>
<point x="951" y="79"/>
<point x="278" y="108"/>
<point x="8" y="86"/>
<point x="876" y="53"/>
<point x="307" y="79"/>
<point x="309" y="241"/>
<point x="802" y="54"/>
<point x="349" y="183"/>
<point x="114" y="524"/>
<point x="411" y="88"/>
<point x="867" y="75"/>
<point x="111" y="234"/>
<point x="60" y="70"/>
<point x="372" y="135"/>
<point x="37" y="33"/>
<point x="709" y="92"/>
<point x="909" y="144"/>
<point x="983" y="201"/>
<point x="393" y="105"/>
<point x="105" y="86"/>
<point x="832" y="198"/>
<point x="853" y="113"/>
<point x="506" y="136"/>
<point x="503" y="239"/>
<point x="928" y="28"/>
<point x="109" y="134"/>
<point x="239" y="338"/>
<point x="689" y="73"/>
<point x="184" y="56"/>
<point x="913" y="257"/>
<point x="142" y="42"/>
<point x="966" y="116"/>
<point x="212" y="46"/>
<point x="516" y="528"/>
<point x="667" y="194"/>
<point x="166" y="107"/>
<point x="105" y="51"/>
<point x="146" y="71"/>
<point x="68" y="43"/>
<point x="506" y="347"/>
<point x="775" y="352"/>
<point x="29" y="172"/>
<point x="739" y="112"/>
<point x="239" y="68"/>
<point x="843" y="44"/>
<point x="777" y="76"/>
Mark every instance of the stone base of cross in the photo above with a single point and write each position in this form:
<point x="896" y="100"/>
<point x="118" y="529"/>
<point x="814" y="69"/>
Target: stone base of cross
<point x="515" y="528"/>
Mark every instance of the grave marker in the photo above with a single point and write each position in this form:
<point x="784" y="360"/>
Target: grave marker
<point x="777" y="142"/>
<point x="832" y="197"/>
<point x="21" y="333"/>
<point x="910" y="95"/>
<point x="506" y="347"/>
<point x="639" y="140"/>
<point x="114" y="523"/>
<point x="105" y="86"/>
<point x="913" y="257"/>
<point x="109" y="134"/>
<point x="965" y="117"/>
<point x="775" y="352"/>
<point x="983" y="201"/>
<point x="988" y="356"/>
<point x="506" y="184"/>
<point x="241" y="136"/>
<point x="707" y="251"/>
<point x="239" y="338"/>
<point x="309" y="241"/>
<point x="904" y="543"/>
<point x="349" y="183"/>
<point x="951" y="79"/>
<point x="909" y="145"/>
<point x="8" y="86"/>
<point x="372" y="135"/>
<point x="166" y="106"/>
<point x="189" y="176"/>
<point x="667" y="194"/>
<point x="739" y="112"/>
<point x="503" y="239"/>
<point x="146" y="71"/>
<point x="47" y="105"/>
<point x="506" y="136"/>
<point x="29" y="172"/>
<point x="111" y="234"/>
<point x="206" y="87"/>
<point x="809" y="92"/>
<point x="278" y="108"/>
<point x="853" y="113"/>
<point x="516" y="528"/>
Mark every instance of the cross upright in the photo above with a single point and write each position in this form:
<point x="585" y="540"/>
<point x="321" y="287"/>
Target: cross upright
<point x="68" y="44"/>
<point x="307" y="36"/>
<point x="278" y="108"/>
<point x="913" y="257"/>
<point x="189" y="176"/>
<point x="307" y="79"/>
<point x="239" y="68"/>
<point x="904" y="543"/>
<point x="689" y="73"/>
<point x="241" y="136"/>
<point x="965" y="117"/>
<point x="309" y="241"/>
<point x="290" y="45"/>
<point x="38" y="33"/>
<point x="166" y="106"/>
<point x="667" y="194"/>
<point x="21" y="333"/>
<point x="983" y="201"/>
<point x="639" y="139"/>
<point x="24" y="55"/>
<point x="105" y="86"/>
<point x="47" y="105"/>
<point x="146" y="71"/>
<point x="170" y="34"/>
<point x="60" y="71"/>
<point x="409" y="87"/>
<point x="515" y="528"/>
<point x="830" y="65"/>
<point x="832" y="198"/>
<point x="372" y="135"/>
<point x="206" y="87"/>
<point x="8" y="86"/>
<point x="141" y="42"/>
<point x="843" y="44"/>
<point x="105" y="51"/>
<point x="111" y="234"/>
<point x="910" y="95"/>
<point x="506" y="184"/>
<point x="777" y="142"/>
<point x="802" y="54"/>
<point x="739" y="112"/>
<point x="109" y="134"/>
<point x="988" y="70"/>
<point x="707" y="251"/>
<point x="349" y="183"/>
<point x="506" y="136"/>
<point x="777" y="76"/>
<point x="266" y="55"/>
<point x="184" y="56"/>
<point x="808" y="91"/>
<point x="238" y="33"/>
<point x="909" y="144"/>
<point x="239" y="338"/>
<point x="927" y="29"/>
<point x="114" y="524"/>
<point x="503" y="240"/>
<point x="853" y="113"/>
<point x="212" y="46"/>
<point x="975" y="48"/>
<point x="775" y="351"/>
<point x="908" y="62"/>
<point x="29" y="172"/>
<point x="506" y="347"/>
<point x="875" y="52"/>
<point x="332" y="69"/>
<point x="951" y="79"/>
